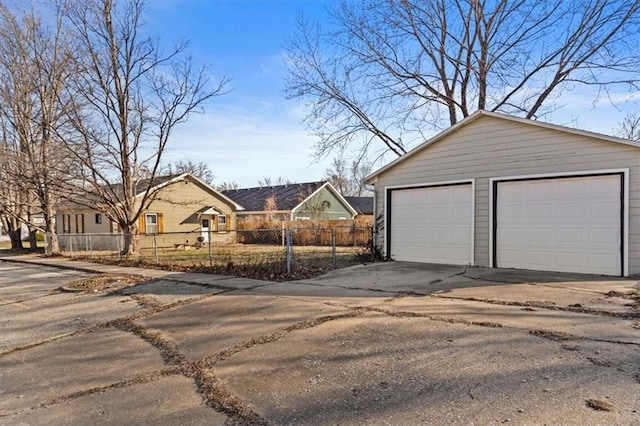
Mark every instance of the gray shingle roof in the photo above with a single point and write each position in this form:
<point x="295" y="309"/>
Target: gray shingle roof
<point x="286" y="196"/>
<point x="363" y="205"/>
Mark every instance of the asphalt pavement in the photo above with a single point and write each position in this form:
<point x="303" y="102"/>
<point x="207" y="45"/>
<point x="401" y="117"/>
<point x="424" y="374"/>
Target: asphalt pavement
<point x="385" y="343"/>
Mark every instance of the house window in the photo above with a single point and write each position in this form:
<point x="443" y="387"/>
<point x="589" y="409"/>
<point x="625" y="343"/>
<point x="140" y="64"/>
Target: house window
<point x="151" y="221"/>
<point x="79" y="224"/>
<point x="222" y="223"/>
<point x="98" y="219"/>
<point x="66" y="223"/>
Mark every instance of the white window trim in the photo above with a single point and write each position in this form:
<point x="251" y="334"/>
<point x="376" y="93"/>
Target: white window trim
<point x="225" y="224"/>
<point x="146" y="223"/>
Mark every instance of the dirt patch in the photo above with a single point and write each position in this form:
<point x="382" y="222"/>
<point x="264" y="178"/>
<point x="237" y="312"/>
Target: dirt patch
<point x="106" y="283"/>
<point x="552" y="335"/>
<point x="266" y="271"/>
<point x="599" y="405"/>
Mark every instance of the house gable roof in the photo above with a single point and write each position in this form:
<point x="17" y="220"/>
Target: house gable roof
<point x="159" y="182"/>
<point x="208" y="188"/>
<point x="482" y="113"/>
<point x="363" y="205"/>
<point x="287" y="197"/>
<point x="326" y="185"/>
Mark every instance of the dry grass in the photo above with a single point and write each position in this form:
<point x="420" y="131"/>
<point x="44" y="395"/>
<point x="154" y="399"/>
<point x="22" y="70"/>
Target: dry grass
<point x="266" y="262"/>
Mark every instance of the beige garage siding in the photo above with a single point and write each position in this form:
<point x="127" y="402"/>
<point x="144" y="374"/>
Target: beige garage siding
<point x="497" y="147"/>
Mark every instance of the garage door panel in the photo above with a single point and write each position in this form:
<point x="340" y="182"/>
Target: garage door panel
<point x="432" y="224"/>
<point x="539" y="236"/>
<point x="564" y="224"/>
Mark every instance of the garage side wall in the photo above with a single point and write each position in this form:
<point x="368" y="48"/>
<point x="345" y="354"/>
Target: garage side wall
<point x="491" y="147"/>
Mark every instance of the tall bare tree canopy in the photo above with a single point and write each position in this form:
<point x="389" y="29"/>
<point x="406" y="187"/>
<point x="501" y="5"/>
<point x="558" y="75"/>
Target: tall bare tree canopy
<point x="389" y="71"/>
<point x="629" y="128"/>
<point x="200" y="170"/>
<point x="130" y="96"/>
<point x="36" y="60"/>
<point x="348" y="177"/>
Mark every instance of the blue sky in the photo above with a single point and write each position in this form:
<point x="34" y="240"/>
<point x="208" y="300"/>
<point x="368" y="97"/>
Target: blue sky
<point x="254" y="132"/>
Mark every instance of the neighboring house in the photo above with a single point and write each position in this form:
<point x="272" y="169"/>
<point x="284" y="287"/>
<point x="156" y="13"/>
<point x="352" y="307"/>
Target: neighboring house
<point x="362" y="205"/>
<point x="182" y="204"/>
<point x="38" y="220"/>
<point x="299" y="201"/>
<point x="499" y="191"/>
<point x="3" y="234"/>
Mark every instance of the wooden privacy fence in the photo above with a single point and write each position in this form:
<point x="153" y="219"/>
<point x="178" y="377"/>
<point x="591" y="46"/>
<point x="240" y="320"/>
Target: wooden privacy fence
<point x="307" y="233"/>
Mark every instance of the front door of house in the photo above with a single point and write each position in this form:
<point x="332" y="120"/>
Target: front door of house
<point x="205" y="224"/>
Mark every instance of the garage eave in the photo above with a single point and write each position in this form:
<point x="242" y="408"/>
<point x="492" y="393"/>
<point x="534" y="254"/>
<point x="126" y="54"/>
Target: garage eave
<point x="372" y="178"/>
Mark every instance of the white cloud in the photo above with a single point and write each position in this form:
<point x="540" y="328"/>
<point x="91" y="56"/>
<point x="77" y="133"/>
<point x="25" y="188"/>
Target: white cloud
<point x="246" y="147"/>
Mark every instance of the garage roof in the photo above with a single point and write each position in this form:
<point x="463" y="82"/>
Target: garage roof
<point x="480" y="113"/>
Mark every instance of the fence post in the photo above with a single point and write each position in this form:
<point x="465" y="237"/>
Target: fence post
<point x="90" y="246"/>
<point x="118" y="246"/>
<point x="283" y="242"/>
<point x="288" y="251"/>
<point x="210" y="252"/>
<point x="70" y="245"/>
<point x="333" y="247"/>
<point x="155" y="248"/>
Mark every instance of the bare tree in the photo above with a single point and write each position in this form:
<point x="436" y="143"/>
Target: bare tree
<point x="35" y="61"/>
<point x="630" y="127"/>
<point x="269" y="181"/>
<point x="348" y="178"/>
<point x="200" y="170"/>
<point x="389" y="71"/>
<point x="132" y="96"/>
<point x="224" y="186"/>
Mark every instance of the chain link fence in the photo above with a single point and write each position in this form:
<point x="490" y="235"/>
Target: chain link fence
<point x="283" y="250"/>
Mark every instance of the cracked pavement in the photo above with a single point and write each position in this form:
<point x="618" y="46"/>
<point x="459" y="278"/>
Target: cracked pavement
<point x="386" y="343"/>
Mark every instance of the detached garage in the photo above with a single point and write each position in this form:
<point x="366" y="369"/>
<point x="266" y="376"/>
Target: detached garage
<point x="500" y="191"/>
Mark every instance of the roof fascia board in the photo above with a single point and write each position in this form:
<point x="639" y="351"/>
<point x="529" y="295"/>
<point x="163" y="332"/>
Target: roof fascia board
<point x="372" y="178"/>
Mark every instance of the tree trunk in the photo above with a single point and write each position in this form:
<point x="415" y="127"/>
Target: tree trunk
<point x="16" y="238"/>
<point x="52" y="244"/>
<point x="130" y="238"/>
<point x="33" y="243"/>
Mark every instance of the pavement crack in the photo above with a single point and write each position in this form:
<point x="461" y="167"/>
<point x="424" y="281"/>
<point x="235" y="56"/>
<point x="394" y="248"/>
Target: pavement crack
<point x="145" y="378"/>
<point x="147" y="302"/>
<point x="218" y="397"/>
<point x="168" y="349"/>
<point x="408" y="314"/>
<point x="272" y="337"/>
<point x="559" y="336"/>
<point x="48" y="340"/>
<point x="547" y="305"/>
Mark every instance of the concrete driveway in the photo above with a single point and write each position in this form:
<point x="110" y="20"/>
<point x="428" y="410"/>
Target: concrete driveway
<point x="387" y="343"/>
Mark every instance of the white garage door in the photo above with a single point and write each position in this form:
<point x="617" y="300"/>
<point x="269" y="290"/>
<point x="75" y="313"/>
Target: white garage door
<point x="561" y="224"/>
<point x="432" y="225"/>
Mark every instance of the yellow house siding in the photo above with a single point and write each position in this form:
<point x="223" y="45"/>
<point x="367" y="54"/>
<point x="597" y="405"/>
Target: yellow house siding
<point x="179" y="204"/>
<point x="492" y="147"/>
